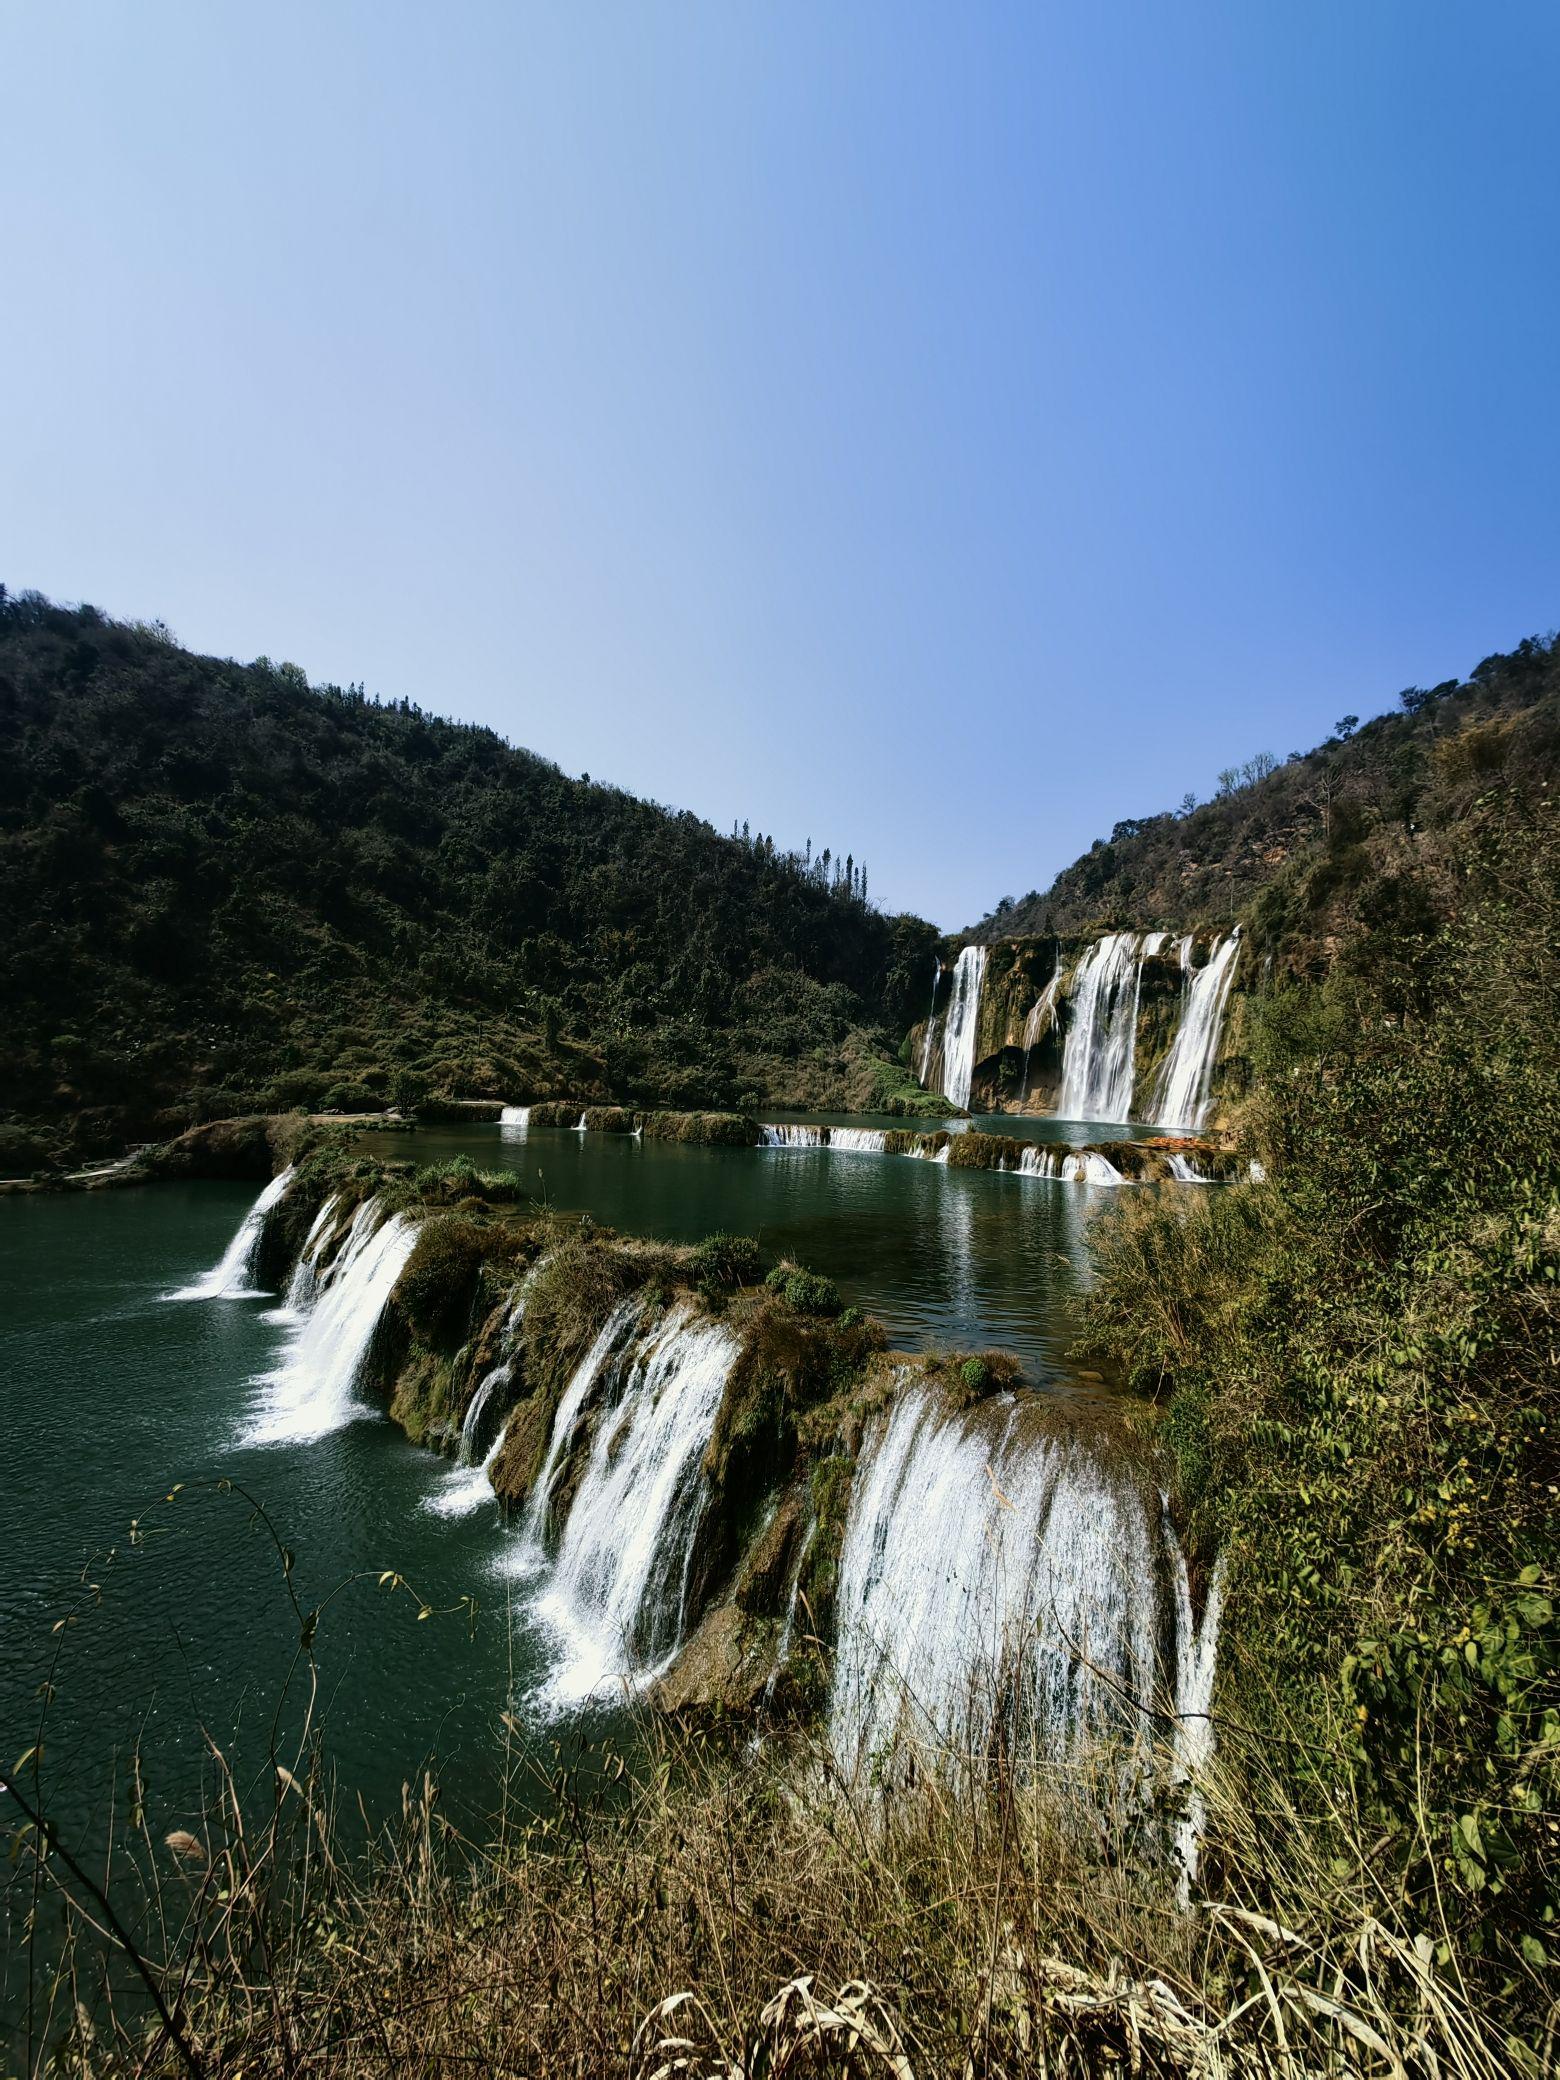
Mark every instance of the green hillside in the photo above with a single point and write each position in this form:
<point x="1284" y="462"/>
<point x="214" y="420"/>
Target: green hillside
<point x="229" y="888"/>
<point x="1328" y="844"/>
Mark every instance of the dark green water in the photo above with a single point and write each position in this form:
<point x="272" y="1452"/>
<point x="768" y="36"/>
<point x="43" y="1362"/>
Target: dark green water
<point x="113" y="1394"/>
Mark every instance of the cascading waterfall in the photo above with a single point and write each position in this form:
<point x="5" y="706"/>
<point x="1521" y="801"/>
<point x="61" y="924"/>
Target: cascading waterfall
<point x="1041" y="1018"/>
<point x="1099" y="1066"/>
<point x="1075" y="1167"/>
<point x="861" y="1141"/>
<point x="1192" y="1738"/>
<point x="1185" y="1171"/>
<point x="332" y="1312"/>
<point x="787" y="1630"/>
<point x="996" y="1578"/>
<point x="515" y="1119"/>
<point x="476" y="1409"/>
<point x="468" y="1484"/>
<point x="233" y="1277"/>
<point x="960" y="1024"/>
<point x="614" y="1331"/>
<point x="1182" y="1097"/>
<point x="618" y="1591"/>
<point x="929" y="1037"/>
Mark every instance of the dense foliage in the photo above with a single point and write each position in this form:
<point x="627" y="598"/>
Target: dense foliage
<point x="229" y="889"/>
<point x="1298" y="848"/>
<point x="1360" y="1361"/>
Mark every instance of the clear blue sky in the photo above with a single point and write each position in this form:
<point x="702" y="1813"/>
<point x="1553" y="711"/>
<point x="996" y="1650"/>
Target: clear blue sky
<point x="938" y="432"/>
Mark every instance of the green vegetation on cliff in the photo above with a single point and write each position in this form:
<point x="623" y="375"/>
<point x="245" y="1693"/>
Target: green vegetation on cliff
<point x="1330" y="842"/>
<point x="1359" y="1365"/>
<point x="228" y="891"/>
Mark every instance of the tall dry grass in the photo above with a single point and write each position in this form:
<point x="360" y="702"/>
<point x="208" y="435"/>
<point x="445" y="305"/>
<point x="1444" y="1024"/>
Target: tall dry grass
<point x="712" y="1908"/>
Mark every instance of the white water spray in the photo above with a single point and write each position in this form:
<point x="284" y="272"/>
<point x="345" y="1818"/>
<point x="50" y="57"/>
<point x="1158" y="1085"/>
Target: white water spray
<point x="961" y="1023"/>
<point x="514" y="1120"/>
<point x="233" y="1278"/>
<point x="992" y="1577"/>
<point x="1042" y="1017"/>
<point x="1182" y="1097"/>
<point x="1099" y="1064"/>
<point x="929" y="1037"/>
<point x="332" y="1310"/>
<point x="619" y="1589"/>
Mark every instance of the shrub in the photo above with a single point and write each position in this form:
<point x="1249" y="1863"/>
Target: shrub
<point x="436" y="1289"/>
<point x="722" y="1261"/>
<point x="809" y="1292"/>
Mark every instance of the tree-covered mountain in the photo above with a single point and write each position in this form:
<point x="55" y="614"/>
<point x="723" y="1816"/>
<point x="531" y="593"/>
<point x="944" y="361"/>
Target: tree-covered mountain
<point x="227" y="887"/>
<point x="1329" y="841"/>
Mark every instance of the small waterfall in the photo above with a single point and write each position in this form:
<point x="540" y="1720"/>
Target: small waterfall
<point x="468" y="1483"/>
<point x="1185" y="1171"/>
<point x="471" y="1425"/>
<point x="233" y="1277"/>
<point x="995" y="1579"/>
<point x="514" y="1119"/>
<point x="614" y="1330"/>
<point x="1039" y="1022"/>
<point x="1182" y="1096"/>
<point x="619" y="1588"/>
<point x="861" y="1141"/>
<point x="787" y="1630"/>
<point x="929" y="1037"/>
<point x="580" y="1125"/>
<point x="332" y="1310"/>
<point x="1192" y="1741"/>
<point x="304" y="1285"/>
<point x="960" y="1023"/>
<point x="1073" y="1166"/>
<point x="1098" y="1061"/>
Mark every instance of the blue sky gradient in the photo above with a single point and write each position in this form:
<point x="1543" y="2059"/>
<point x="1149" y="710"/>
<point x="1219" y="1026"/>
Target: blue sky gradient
<point x="934" y="432"/>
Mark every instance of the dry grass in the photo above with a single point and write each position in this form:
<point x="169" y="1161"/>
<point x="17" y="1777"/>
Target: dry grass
<point x="715" y="1910"/>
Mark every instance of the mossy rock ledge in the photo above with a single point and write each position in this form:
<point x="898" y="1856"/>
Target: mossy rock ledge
<point x="500" y="1292"/>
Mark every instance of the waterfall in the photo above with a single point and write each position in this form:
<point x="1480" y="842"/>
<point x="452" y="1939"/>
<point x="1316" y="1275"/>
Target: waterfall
<point x="1185" y="1171"/>
<point x="618" y="1591"/>
<point x="468" y="1484"/>
<point x="1182" y="1096"/>
<point x="1192" y="1740"/>
<point x="787" y="1630"/>
<point x="514" y="1119"/>
<point x="1074" y="1166"/>
<point x="861" y="1141"/>
<point x="614" y="1330"/>
<point x="233" y="1277"/>
<point x="304" y="1283"/>
<point x="995" y="1579"/>
<point x="1041" y="1018"/>
<point x="332" y="1312"/>
<point x="929" y="1037"/>
<point x="471" y="1425"/>
<point x="580" y="1126"/>
<point x="960" y="1023"/>
<point x="1099" y="1059"/>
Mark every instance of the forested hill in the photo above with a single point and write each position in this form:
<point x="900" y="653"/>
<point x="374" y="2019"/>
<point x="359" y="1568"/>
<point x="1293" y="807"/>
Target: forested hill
<point x="226" y="887"/>
<point x="1304" y="848"/>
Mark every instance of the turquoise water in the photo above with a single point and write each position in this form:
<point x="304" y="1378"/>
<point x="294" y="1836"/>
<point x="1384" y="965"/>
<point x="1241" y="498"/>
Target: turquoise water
<point x="179" y="1615"/>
